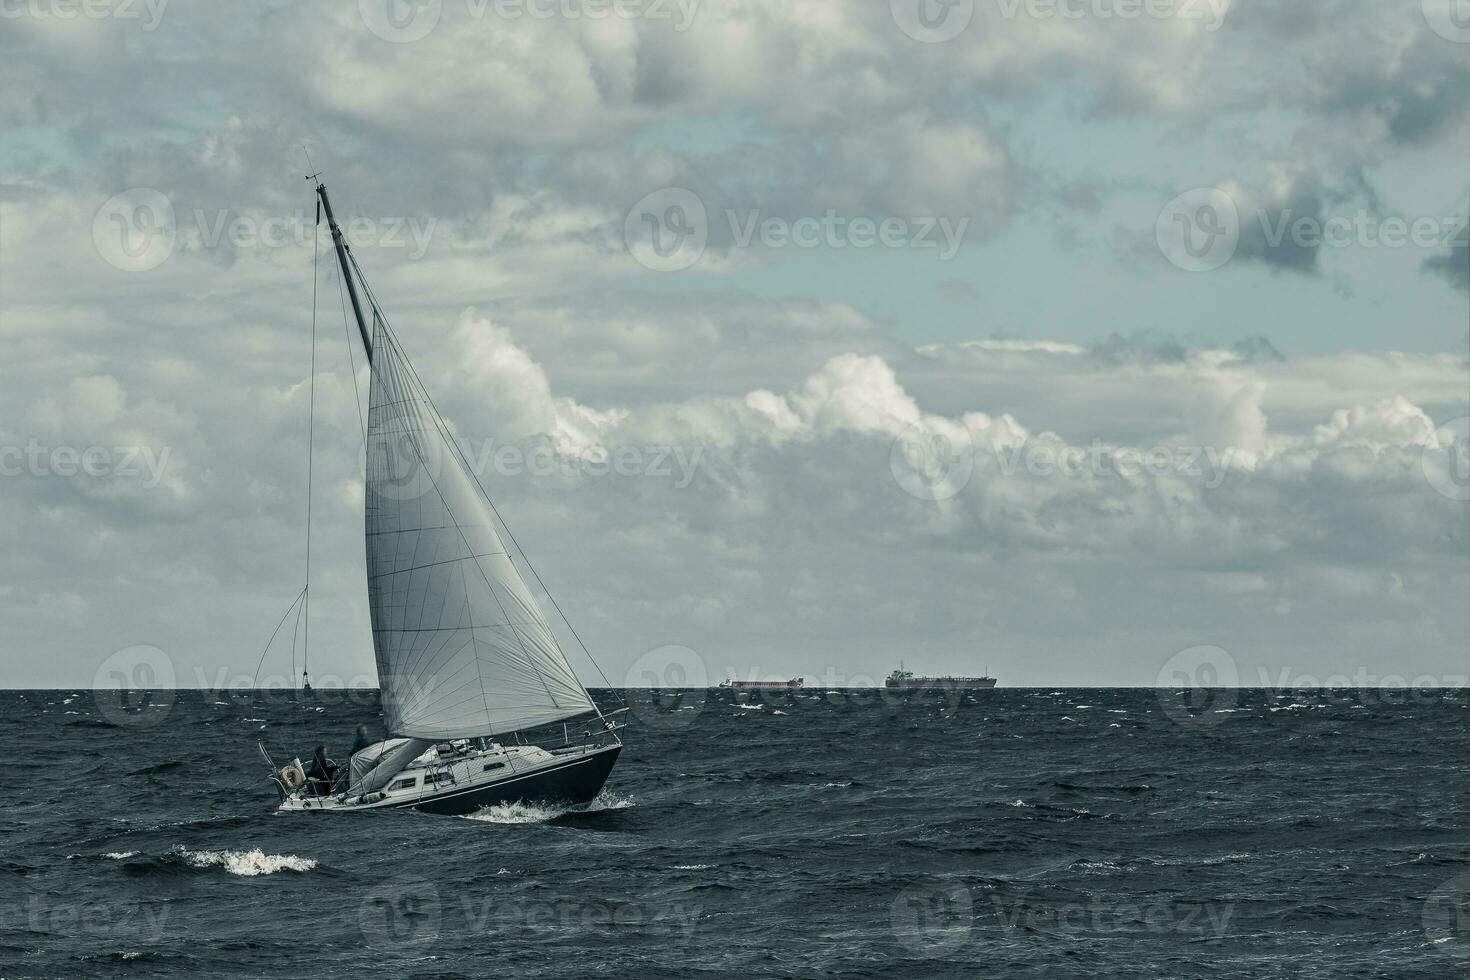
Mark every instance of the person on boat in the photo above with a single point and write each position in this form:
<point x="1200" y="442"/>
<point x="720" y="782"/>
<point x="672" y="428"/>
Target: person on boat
<point x="362" y="740"/>
<point x="320" y="771"/>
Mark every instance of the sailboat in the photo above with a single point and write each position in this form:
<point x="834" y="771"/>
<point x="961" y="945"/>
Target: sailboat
<point x="479" y="702"/>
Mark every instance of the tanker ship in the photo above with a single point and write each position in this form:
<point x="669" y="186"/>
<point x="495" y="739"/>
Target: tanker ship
<point x="791" y="685"/>
<point x="905" y="679"/>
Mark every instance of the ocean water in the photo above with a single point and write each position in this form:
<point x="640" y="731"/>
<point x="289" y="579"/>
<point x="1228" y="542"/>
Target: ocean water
<point x="1008" y="833"/>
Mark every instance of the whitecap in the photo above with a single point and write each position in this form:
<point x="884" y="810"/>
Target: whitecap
<point x="1096" y="866"/>
<point x="607" y="800"/>
<point x="249" y="863"/>
<point x="120" y="855"/>
<point x="692" y="867"/>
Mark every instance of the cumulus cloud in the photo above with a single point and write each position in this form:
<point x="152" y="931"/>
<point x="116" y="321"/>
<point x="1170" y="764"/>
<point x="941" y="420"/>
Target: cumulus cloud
<point x="827" y="471"/>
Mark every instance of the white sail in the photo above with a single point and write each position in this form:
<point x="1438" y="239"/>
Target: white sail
<point x="461" y="645"/>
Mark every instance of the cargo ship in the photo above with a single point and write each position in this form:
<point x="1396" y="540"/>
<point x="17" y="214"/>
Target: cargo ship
<point x="794" y="684"/>
<point x="905" y="679"/>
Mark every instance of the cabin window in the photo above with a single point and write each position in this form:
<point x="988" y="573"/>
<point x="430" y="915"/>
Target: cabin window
<point x="492" y="766"/>
<point x="438" y="777"/>
<point x="408" y="783"/>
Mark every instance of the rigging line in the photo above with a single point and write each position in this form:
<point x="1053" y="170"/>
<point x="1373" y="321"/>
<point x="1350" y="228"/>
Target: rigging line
<point x="387" y="327"/>
<point x="295" y="632"/>
<point x="310" y="454"/>
<point x="260" y="663"/>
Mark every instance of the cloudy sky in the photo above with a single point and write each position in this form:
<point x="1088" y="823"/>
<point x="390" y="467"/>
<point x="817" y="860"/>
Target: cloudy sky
<point x="790" y="336"/>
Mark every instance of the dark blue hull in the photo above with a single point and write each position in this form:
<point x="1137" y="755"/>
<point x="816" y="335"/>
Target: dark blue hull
<point x="577" y="780"/>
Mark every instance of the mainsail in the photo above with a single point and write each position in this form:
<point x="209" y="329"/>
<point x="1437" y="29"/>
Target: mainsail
<point x="462" y="647"/>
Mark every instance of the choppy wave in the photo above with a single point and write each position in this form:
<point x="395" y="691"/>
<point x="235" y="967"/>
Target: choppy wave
<point x="247" y="864"/>
<point x="833" y="841"/>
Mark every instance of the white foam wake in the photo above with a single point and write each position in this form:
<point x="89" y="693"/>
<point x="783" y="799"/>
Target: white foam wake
<point x="517" y="813"/>
<point x="247" y="863"/>
<point x="514" y="813"/>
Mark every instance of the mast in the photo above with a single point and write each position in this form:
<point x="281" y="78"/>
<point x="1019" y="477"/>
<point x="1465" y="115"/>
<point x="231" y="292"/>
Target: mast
<point x="498" y="667"/>
<point x="340" y="244"/>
